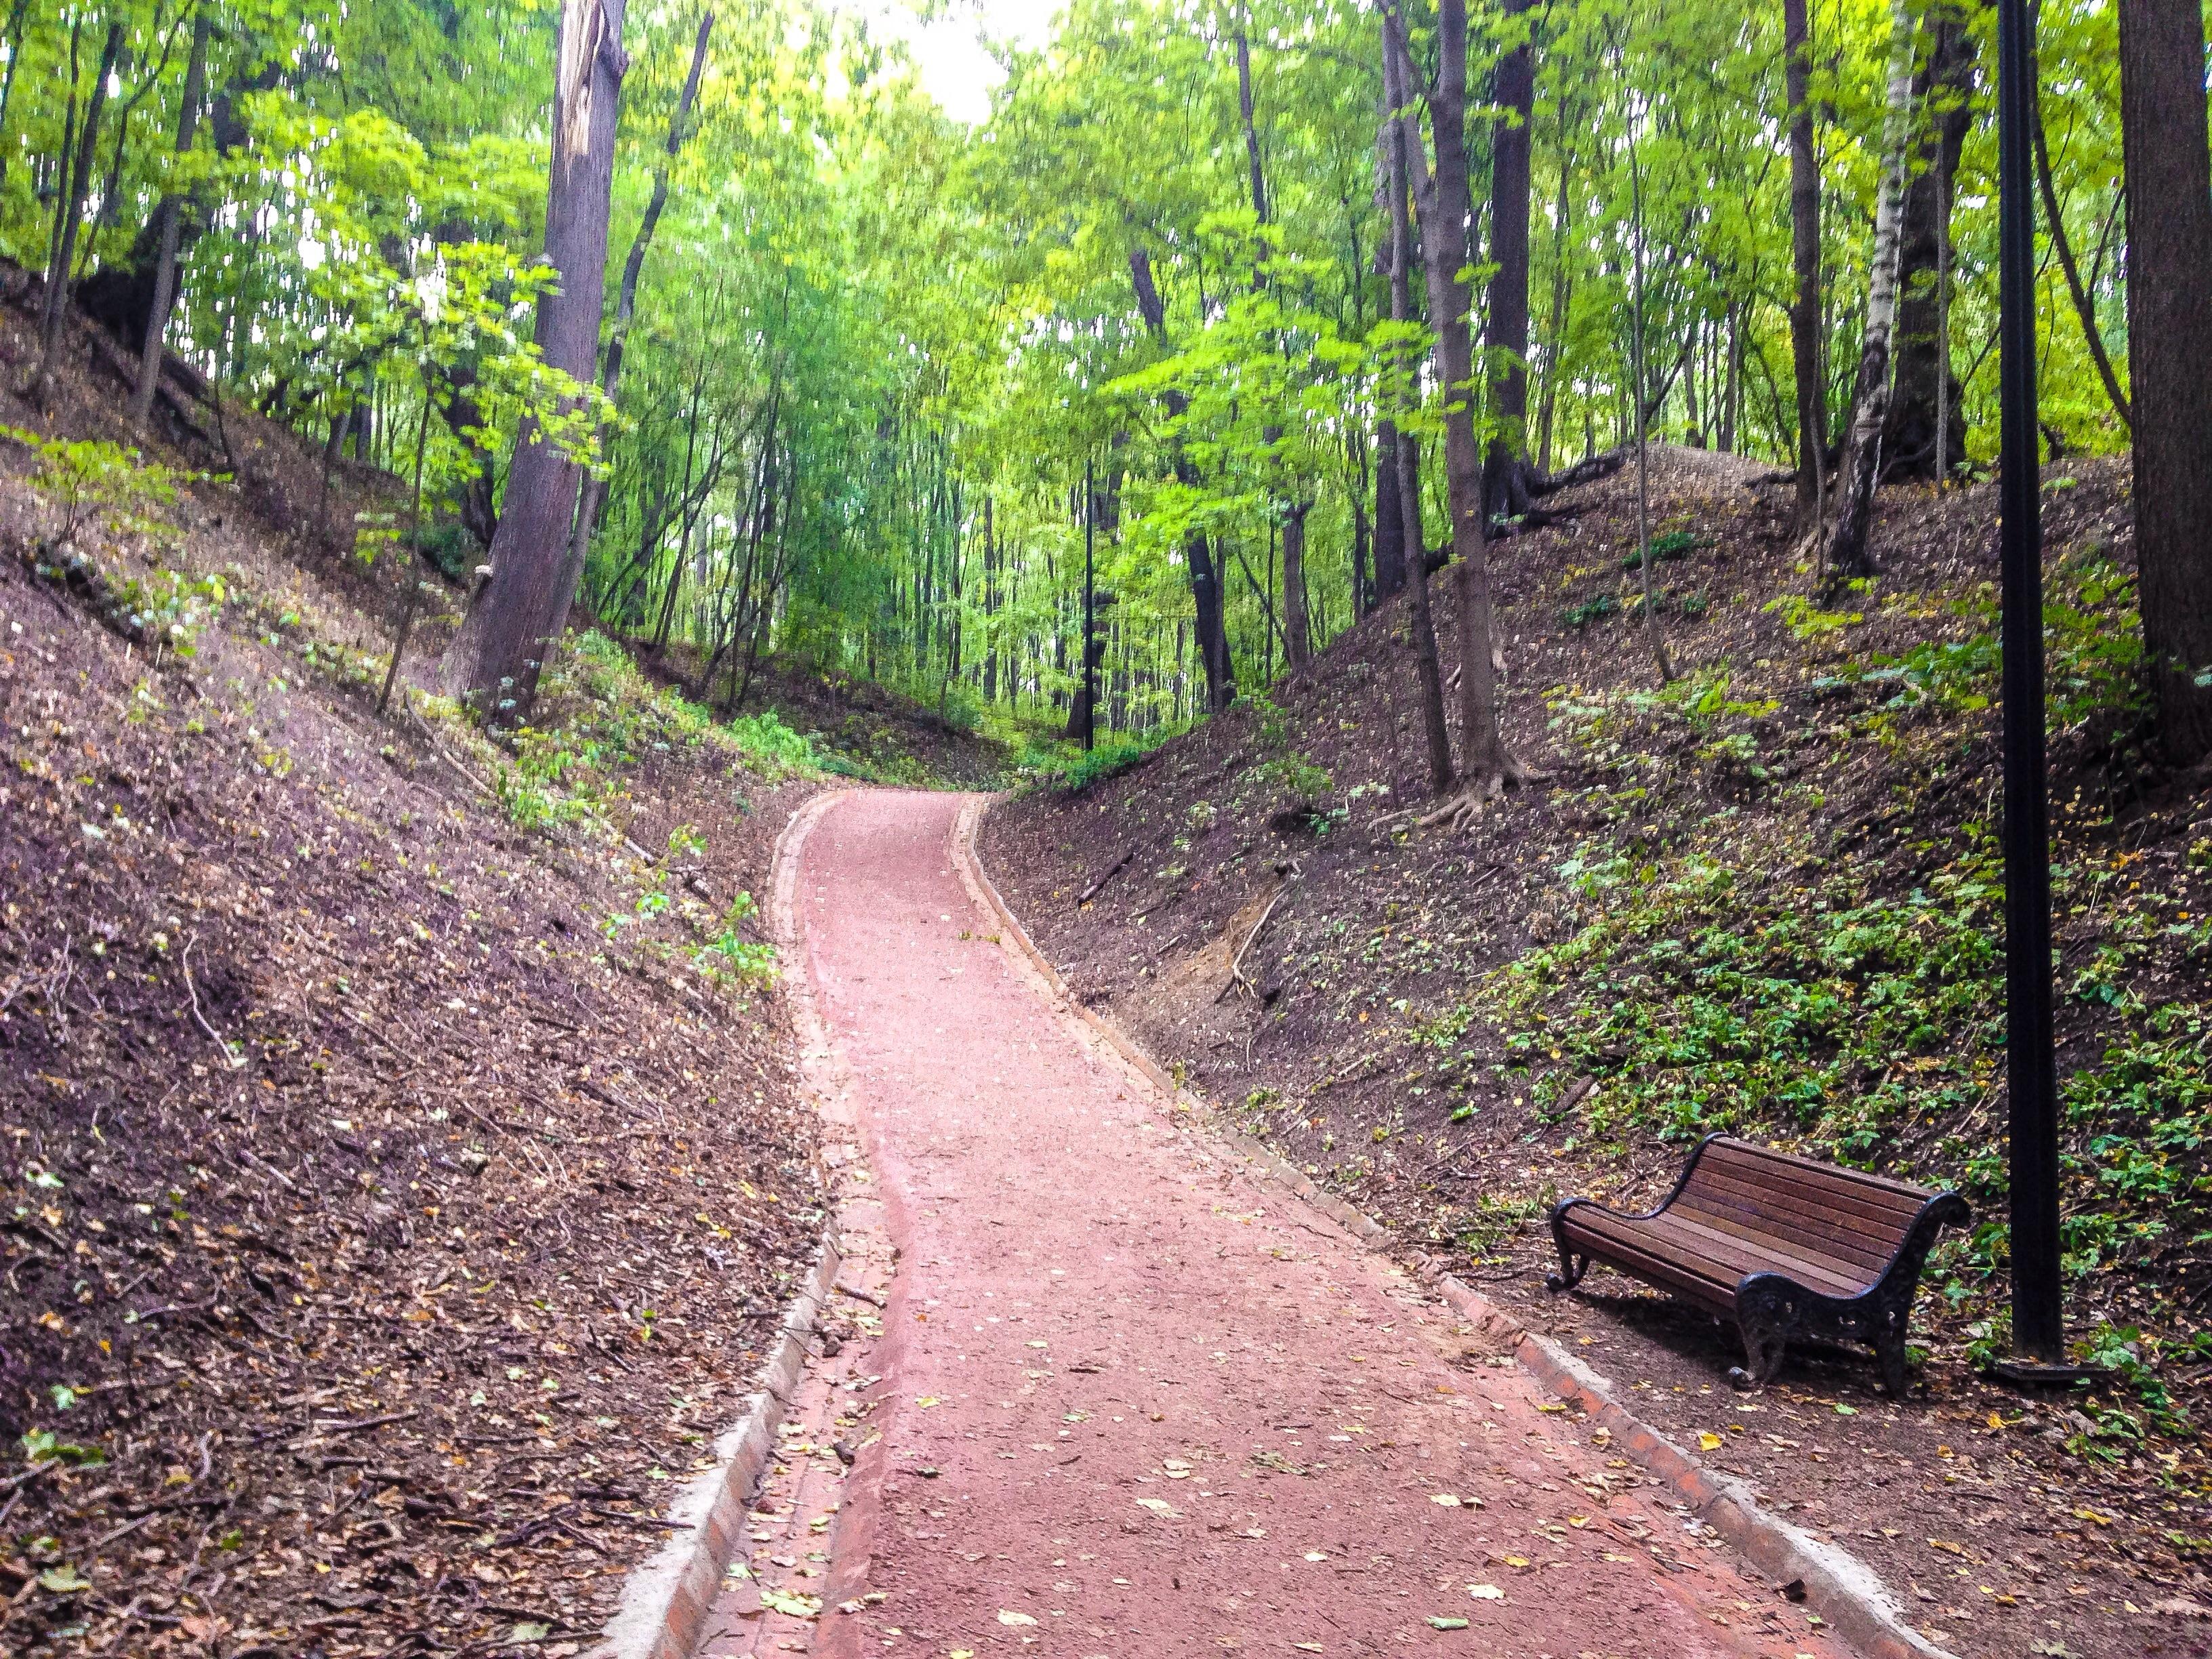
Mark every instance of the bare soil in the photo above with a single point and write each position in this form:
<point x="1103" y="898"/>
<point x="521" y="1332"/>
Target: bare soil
<point x="1361" y="1032"/>
<point x="393" y="1203"/>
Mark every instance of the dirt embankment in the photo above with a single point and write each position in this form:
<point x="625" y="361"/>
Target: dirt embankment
<point x="1765" y="897"/>
<point x="404" y="1164"/>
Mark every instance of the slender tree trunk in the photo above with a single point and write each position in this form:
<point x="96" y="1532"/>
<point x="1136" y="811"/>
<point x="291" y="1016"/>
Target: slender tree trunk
<point x="1413" y="560"/>
<point x="1652" y="632"/>
<point x="1847" y="551"/>
<point x="1444" y="205"/>
<point x="1363" y="586"/>
<point x="1504" y="483"/>
<point x="71" y="220"/>
<point x="516" y="616"/>
<point x="1205" y="569"/>
<point x="172" y="212"/>
<point x="1389" y="521"/>
<point x="2162" y="120"/>
<point x="2085" y="303"/>
<point x="1926" y="387"/>
<point x="1805" y="260"/>
<point x="1562" y="299"/>
<point x="594" y="489"/>
<point x="1297" y="630"/>
<point x="8" y="83"/>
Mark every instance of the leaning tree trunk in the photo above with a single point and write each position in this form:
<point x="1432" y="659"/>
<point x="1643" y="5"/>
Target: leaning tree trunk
<point x="1442" y="201"/>
<point x="1413" y="554"/>
<point x="1847" y="549"/>
<point x="71" y="220"/>
<point x="172" y="212"/>
<point x="1945" y="89"/>
<point x="2163" y="125"/>
<point x="1505" y="482"/>
<point x="1805" y="261"/>
<point x="594" y="488"/>
<point x="517" y="614"/>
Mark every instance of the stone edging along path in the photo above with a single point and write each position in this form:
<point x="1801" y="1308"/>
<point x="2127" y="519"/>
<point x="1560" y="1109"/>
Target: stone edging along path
<point x="1834" y="1583"/>
<point x="665" y="1601"/>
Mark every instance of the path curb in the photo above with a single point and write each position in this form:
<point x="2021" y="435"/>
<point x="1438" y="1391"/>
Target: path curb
<point x="1847" y="1594"/>
<point x="664" y="1602"/>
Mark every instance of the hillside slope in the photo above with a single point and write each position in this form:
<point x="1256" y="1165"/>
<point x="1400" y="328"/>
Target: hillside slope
<point x="1764" y="897"/>
<point x="404" y="1157"/>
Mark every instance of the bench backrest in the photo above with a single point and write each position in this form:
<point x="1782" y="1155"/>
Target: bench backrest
<point x="1851" y="1222"/>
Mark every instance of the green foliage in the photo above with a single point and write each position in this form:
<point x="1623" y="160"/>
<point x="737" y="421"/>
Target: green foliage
<point x="92" y="479"/>
<point x="168" y="608"/>
<point x="1807" y="622"/>
<point x="1066" y="768"/>
<point x="744" y="962"/>
<point x="1665" y="548"/>
<point x="1596" y="608"/>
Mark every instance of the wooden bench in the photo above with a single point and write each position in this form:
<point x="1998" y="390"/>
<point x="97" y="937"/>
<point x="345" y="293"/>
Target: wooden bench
<point x="1786" y="1247"/>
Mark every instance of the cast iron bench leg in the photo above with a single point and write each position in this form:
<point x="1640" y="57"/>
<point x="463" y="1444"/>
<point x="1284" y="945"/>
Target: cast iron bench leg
<point x="1571" y="1267"/>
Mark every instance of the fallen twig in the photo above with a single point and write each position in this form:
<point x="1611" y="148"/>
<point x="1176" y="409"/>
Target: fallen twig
<point x="1098" y="886"/>
<point x="1237" y="962"/>
<point x="230" y="1057"/>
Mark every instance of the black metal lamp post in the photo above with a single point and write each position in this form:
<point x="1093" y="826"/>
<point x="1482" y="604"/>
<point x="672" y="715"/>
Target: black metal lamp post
<point x="2039" y="1326"/>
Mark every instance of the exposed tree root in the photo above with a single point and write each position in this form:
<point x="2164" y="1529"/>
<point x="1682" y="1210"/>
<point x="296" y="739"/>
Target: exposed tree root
<point x="1459" y="810"/>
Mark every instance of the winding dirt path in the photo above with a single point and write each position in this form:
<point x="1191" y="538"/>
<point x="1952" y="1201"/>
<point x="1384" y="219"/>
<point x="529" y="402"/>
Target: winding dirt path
<point x="1131" y="1402"/>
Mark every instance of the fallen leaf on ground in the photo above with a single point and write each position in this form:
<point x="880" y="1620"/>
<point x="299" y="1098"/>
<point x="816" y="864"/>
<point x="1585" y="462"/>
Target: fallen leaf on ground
<point x="1486" y="1592"/>
<point x="1006" y="1618"/>
<point x="1708" y="1441"/>
<point x="1447" y="1624"/>
<point x="791" y="1605"/>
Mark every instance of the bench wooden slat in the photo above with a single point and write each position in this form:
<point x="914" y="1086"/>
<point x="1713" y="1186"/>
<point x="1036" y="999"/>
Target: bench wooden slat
<point x="1718" y="1256"/>
<point x="1877" y="1206"/>
<point x="1808" y="1233"/>
<point x="1726" y="1150"/>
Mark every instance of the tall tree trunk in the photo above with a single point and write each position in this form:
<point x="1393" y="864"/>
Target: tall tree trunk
<point x="1362" y="584"/>
<point x="2162" y="125"/>
<point x="1390" y="514"/>
<point x="1444" y="205"/>
<point x="1413" y="559"/>
<point x="2085" y="302"/>
<point x="1205" y="571"/>
<point x="8" y="83"/>
<point x="1292" y="500"/>
<point x="70" y="219"/>
<point x="516" y="616"/>
<point x="990" y="608"/>
<point x="172" y="212"/>
<point x="1563" y="294"/>
<point x="594" y="489"/>
<point x="1390" y="522"/>
<point x="1805" y="261"/>
<point x="1645" y="561"/>
<point x="1847" y="551"/>
<point x="1924" y="384"/>
<point x="1505" y="481"/>
<point x="1297" y="630"/>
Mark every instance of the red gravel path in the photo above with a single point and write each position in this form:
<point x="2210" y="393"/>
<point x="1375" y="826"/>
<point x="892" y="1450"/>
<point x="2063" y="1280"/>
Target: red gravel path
<point x="1133" y="1403"/>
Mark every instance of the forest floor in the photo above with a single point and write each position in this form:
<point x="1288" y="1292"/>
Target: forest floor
<point x="1764" y="897"/>
<point x="1125" y="1398"/>
<point x="404" y="1165"/>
